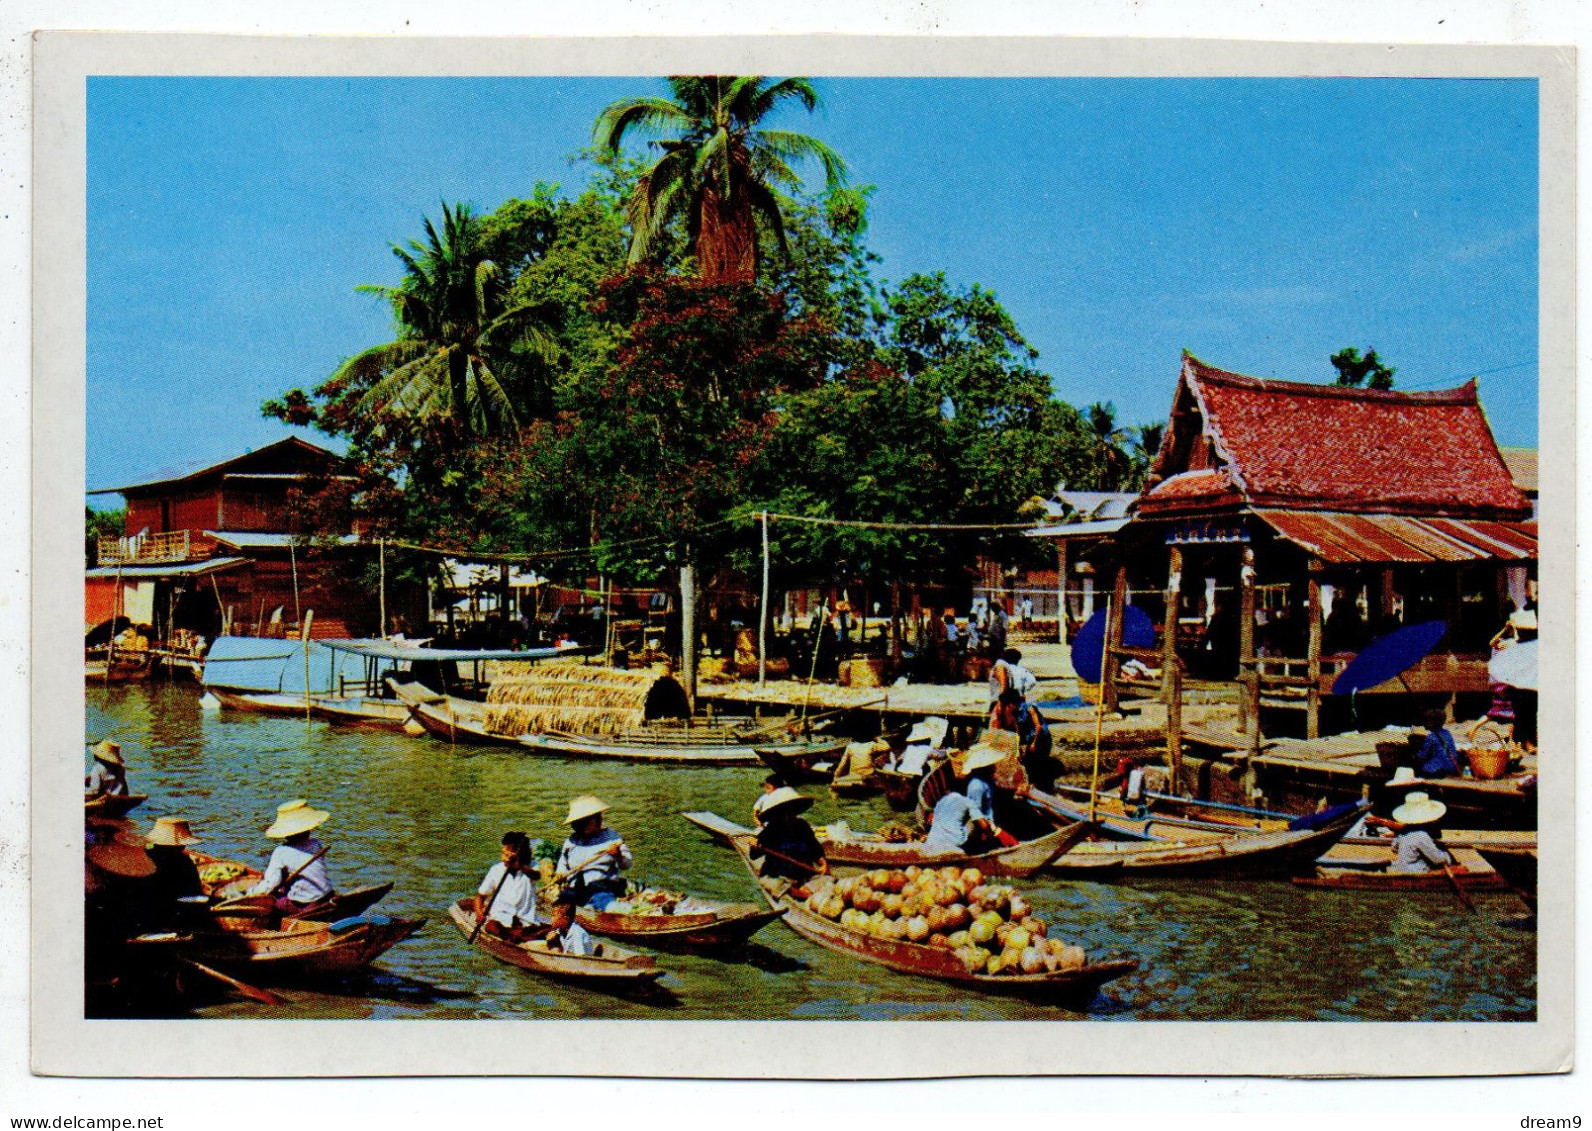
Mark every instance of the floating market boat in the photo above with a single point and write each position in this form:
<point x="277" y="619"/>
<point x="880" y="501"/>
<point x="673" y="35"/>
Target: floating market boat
<point x="864" y="851"/>
<point x="703" y="744"/>
<point x="228" y="882"/>
<point x="707" y="924"/>
<point x="929" y="961"/>
<point x="112" y="805"/>
<point x="1517" y="866"/>
<point x="1475" y="875"/>
<point x="298" y="948"/>
<point x="612" y="966"/>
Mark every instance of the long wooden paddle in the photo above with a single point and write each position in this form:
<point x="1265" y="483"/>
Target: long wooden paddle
<point x="265" y="997"/>
<point x="752" y="844"/>
<point x="1459" y="889"/>
<point x="486" y="911"/>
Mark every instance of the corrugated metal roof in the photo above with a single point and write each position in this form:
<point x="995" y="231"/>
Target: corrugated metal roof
<point x="175" y="569"/>
<point x="263" y="540"/>
<point x="1338" y="538"/>
<point x="401" y="650"/>
<point x="1097" y="529"/>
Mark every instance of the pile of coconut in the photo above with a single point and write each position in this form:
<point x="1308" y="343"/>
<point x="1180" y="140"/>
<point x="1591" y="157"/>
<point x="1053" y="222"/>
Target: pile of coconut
<point x="990" y="928"/>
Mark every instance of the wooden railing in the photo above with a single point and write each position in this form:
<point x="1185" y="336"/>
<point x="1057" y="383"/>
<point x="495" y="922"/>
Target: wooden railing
<point x="143" y="549"/>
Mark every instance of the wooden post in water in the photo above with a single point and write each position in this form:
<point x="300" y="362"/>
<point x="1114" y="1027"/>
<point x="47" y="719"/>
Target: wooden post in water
<point x="688" y="659"/>
<point x="304" y="636"/>
<point x="1313" y="655"/>
<point x="1108" y="658"/>
<point x="1061" y="591"/>
<point x="381" y="566"/>
<point x="762" y="614"/>
<point x="1248" y="671"/>
<point x="1100" y="711"/>
<point x="1171" y="681"/>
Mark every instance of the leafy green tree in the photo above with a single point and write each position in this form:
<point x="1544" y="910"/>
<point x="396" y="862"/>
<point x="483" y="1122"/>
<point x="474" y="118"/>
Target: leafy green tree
<point x="1146" y="443"/>
<point x="722" y="172"/>
<point x="97" y="525"/>
<point x="1354" y="370"/>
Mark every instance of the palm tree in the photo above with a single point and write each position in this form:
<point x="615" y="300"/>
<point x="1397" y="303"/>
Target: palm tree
<point x="1112" y="466"/>
<point x="1146" y="443"/>
<point x="457" y="336"/>
<point x="722" y="172"/>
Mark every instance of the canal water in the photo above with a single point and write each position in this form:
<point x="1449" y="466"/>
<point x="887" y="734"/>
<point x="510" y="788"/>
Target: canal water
<point x="429" y="816"/>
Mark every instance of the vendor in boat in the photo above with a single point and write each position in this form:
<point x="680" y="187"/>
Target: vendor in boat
<point x="1015" y="714"/>
<point x="299" y="857"/>
<point x="771" y="785"/>
<point x="506" y="899"/>
<point x="108" y="778"/>
<point x="566" y="934"/>
<point x="1415" y="829"/>
<point x="176" y="876"/>
<point x="1438" y="756"/>
<point x="786" y="843"/>
<point x="966" y="819"/>
<point x="593" y="855"/>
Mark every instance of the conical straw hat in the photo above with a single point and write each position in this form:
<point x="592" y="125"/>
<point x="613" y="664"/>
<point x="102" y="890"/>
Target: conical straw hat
<point x="171" y="832"/>
<point x="785" y="795"/>
<point x="294" y="817"/>
<point x="981" y="755"/>
<point x="108" y="751"/>
<point x="585" y="806"/>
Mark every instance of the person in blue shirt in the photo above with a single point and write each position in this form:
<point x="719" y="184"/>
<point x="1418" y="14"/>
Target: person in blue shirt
<point x="967" y="819"/>
<point x="1439" y="756"/>
<point x="786" y="843"/>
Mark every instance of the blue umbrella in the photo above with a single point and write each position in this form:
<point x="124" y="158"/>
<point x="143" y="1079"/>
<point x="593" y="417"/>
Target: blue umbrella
<point x="1389" y="656"/>
<point x="1089" y="646"/>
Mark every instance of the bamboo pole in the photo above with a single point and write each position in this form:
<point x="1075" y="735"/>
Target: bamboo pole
<point x="304" y="636"/>
<point x="1249" y="671"/>
<point x="1100" y="713"/>
<point x="381" y="559"/>
<point x="1061" y="591"/>
<point x="1108" y="660"/>
<point x="1171" y="681"/>
<point x="1313" y="655"/>
<point x="762" y="614"/>
<point x="292" y="561"/>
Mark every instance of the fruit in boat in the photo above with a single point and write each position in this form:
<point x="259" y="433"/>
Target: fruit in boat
<point x="982" y="931"/>
<point x="947" y="895"/>
<point x="1018" y="938"/>
<point x="972" y="877"/>
<point x="1033" y="962"/>
<point x="950" y="872"/>
<point x="975" y="959"/>
<point x="896" y="882"/>
<point x="1003" y="932"/>
<point x="1019" y="908"/>
<point x="891" y="905"/>
<point x="958" y="940"/>
<point x="917" y="928"/>
<point x="939" y="940"/>
<point x="879" y="877"/>
<point x="913" y="871"/>
<point x="1036" y="926"/>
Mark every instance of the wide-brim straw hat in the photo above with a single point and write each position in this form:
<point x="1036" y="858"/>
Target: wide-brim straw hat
<point x="295" y="817"/>
<point x="121" y="855"/>
<point x="785" y="795"/>
<point x="931" y="730"/>
<point x="1419" y="809"/>
<point x="980" y="756"/>
<point x="1402" y="775"/>
<point x="585" y="806"/>
<point x="172" y="832"/>
<point x="108" y="751"/>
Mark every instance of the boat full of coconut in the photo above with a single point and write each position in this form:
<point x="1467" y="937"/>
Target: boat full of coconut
<point x="990" y="928"/>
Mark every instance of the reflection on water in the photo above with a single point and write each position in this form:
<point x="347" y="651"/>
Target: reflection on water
<point x="429" y="816"/>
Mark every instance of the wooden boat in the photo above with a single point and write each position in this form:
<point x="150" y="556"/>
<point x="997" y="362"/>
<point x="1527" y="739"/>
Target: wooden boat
<point x="1517" y="866"/>
<point x="720" y="925"/>
<point x="130" y="667"/>
<point x="713" y="744"/>
<point x="871" y="852"/>
<point x="612" y="967"/>
<point x="1471" y="872"/>
<point x="112" y="805"/>
<point x="301" y="947"/>
<point x="355" y="901"/>
<point x="450" y="718"/>
<point x="799" y="767"/>
<point x="928" y="961"/>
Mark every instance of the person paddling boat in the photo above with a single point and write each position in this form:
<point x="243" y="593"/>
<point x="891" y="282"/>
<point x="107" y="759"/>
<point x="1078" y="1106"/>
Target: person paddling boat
<point x="299" y="858"/>
<point x="1415" y="827"/>
<point x="787" y="844"/>
<point x="966" y="820"/>
<point x="593" y="855"/>
<point x="108" y="778"/>
<point x="507" y="895"/>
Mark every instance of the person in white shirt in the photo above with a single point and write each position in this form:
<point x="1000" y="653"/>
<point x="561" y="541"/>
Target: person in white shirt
<point x="109" y="775"/>
<point x="300" y="857"/>
<point x="568" y="935"/>
<point x="593" y="855"/>
<point x="510" y="887"/>
<point x="1008" y="674"/>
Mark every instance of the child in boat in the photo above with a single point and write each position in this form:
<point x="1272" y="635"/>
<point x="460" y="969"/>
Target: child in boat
<point x="593" y="855"/>
<point x="109" y="775"/>
<point x="786" y="842"/>
<point x="300" y="856"/>
<point x="1414" y="826"/>
<point x="510" y="885"/>
<point x="566" y="934"/>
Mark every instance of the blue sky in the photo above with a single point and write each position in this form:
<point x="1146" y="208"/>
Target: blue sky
<point x="1262" y="224"/>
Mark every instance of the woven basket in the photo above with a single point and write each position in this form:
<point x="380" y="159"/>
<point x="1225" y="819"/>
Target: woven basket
<point x="862" y="673"/>
<point x="1487" y="763"/>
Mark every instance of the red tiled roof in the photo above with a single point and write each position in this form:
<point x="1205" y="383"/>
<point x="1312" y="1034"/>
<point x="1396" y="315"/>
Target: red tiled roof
<point x="1326" y="447"/>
